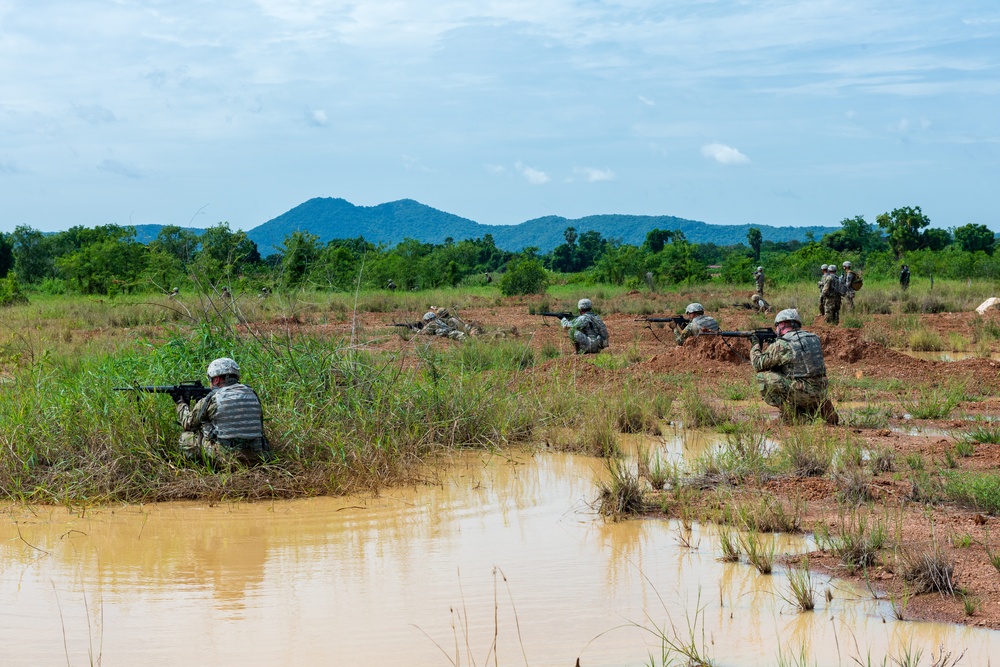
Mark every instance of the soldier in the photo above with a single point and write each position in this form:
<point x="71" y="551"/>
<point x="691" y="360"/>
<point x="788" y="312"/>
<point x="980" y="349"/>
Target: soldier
<point x="435" y="326"/>
<point x="791" y="372"/>
<point x="759" y="303"/>
<point x="758" y="278"/>
<point x="904" y="278"/>
<point x="822" y="276"/>
<point x="587" y="331"/>
<point x="830" y="292"/>
<point x="848" y="280"/>
<point x="226" y="294"/>
<point x="174" y="293"/>
<point x="699" y="321"/>
<point x="265" y="292"/>
<point x="391" y="286"/>
<point x="489" y="278"/>
<point x="456" y="322"/>
<point x="227" y="421"/>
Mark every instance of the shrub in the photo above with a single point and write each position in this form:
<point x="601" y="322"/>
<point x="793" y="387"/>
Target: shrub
<point x="524" y="275"/>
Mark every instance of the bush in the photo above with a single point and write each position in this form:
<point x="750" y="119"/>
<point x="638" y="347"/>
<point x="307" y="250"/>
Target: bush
<point x="524" y="275"/>
<point x="10" y="292"/>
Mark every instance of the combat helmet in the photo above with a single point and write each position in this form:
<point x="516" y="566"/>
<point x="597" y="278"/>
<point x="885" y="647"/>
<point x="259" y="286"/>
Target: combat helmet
<point x="223" y="366"/>
<point x="787" y="315"/>
<point x="846" y="264"/>
<point x="429" y="315"/>
<point x="823" y="267"/>
<point x="694" y="308"/>
<point x="584" y="304"/>
<point x="760" y="268"/>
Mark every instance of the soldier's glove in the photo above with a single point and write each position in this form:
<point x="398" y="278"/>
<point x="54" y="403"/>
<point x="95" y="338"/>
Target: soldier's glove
<point x="178" y="397"/>
<point x="754" y="341"/>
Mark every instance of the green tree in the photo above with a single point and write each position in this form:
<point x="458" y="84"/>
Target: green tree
<point x="300" y="251"/>
<point x="6" y="254"/>
<point x="224" y="252"/>
<point x="903" y="227"/>
<point x="176" y="242"/>
<point x="855" y="235"/>
<point x="33" y="258"/>
<point x="524" y="275"/>
<point x="935" y="239"/>
<point x="754" y="239"/>
<point x="656" y="239"/>
<point x="970" y="238"/>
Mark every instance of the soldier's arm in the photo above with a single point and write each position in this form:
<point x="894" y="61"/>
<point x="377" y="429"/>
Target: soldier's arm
<point x="775" y="356"/>
<point x="190" y="418"/>
<point x="689" y="331"/>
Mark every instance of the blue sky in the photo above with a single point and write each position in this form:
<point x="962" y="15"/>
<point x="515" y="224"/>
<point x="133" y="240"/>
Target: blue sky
<point x="769" y="112"/>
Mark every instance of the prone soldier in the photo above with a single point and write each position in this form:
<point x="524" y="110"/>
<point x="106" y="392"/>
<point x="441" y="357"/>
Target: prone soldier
<point x="698" y="321"/>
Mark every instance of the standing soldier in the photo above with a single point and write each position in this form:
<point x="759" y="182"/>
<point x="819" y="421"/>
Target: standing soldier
<point x="822" y="276"/>
<point x="758" y="279"/>
<point x="850" y="276"/>
<point x="698" y="322"/>
<point x="904" y="278"/>
<point x="791" y="373"/>
<point x="830" y="292"/>
<point x="587" y="331"/>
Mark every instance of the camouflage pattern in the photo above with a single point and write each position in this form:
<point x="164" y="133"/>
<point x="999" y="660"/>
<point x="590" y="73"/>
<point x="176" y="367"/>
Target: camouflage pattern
<point x="438" y="327"/>
<point x="830" y="294"/>
<point x="587" y="333"/>
<point x="847" y="280"/>
<point x="904" y="277"/>
<point x="695" y="327"/>
<point x="199" y="440"/>
<point x="760" y="304"/>
<point x="794" y="396"/>
<point x="758" y="278"/>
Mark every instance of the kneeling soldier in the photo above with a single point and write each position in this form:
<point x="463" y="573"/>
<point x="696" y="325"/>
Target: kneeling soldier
<point x="587" y="331"/>
<point x="791" y="372"/>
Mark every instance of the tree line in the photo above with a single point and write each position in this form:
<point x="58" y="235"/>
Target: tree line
<point x="109" y="260"/>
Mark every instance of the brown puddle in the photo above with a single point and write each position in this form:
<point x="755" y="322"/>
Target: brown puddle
<point x="359" y="581"/>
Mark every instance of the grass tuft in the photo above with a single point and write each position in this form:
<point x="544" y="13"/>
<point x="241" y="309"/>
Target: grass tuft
<point x="621" y="495"/>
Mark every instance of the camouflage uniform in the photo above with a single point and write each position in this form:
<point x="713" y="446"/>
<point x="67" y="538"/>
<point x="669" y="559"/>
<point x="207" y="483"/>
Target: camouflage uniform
<point x="904" y="277"/>
<point x="830" y="298"/>
<point x="760" y="304"/>
<point x="587" y="333"/>
<point x="438" y="327"/>
<point x="457" y="323"/>
<point x="695" y="327"/>
<point x="791" y="373"/>
<point x="228" y="420"/>
<point x="847" y="280"/>
<point x="758" y="278"/>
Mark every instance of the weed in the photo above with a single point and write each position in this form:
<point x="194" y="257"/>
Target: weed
<point x="600" y="438"/>
<point x="621" y="494"/>
<point x="859" y="541"/>
<point x="957" y="342"/>
<point x="963" y="541"/>
<point x="808" y="452"/>
<point x="873" y="415"/>
<point x="927" y="570"/>
<point x="923" y="340"/>
<point x="900" y="603"/>
<point x="800" y="583"/>
<point x="793" y="660"/>
<point x="653" y="468"/>
<point x="728" y="544"/>
<point x="854" y="484"/>
<point x="915" y="461"/>
<point x="935" y="403"/>
<point x="965" y="448"/>
<point x="949" y="459"/>
<point x="736" y="391"/>
<point x="549" y="350"/>
<point x="977" y="490"/>
<point x="635" y="415"/>
<point x="768" y="515"/>
<point x="882" y="459"/>
<point x="758" y="554"/>
<point x="697" y="412"/>
<point x="983" y="433"/>
<point x="971" y="605"/>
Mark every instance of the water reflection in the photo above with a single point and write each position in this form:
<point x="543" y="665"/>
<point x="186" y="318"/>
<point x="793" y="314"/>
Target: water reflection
<point x="491" y="544"/>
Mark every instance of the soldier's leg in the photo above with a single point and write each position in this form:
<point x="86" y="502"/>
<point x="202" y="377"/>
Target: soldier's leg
<point x="580" y="342"/>
<point x="836" y="312"/>
<point x="194" y="447"/>
<point x="456" y="335"/>
<point x="773" y="387"/>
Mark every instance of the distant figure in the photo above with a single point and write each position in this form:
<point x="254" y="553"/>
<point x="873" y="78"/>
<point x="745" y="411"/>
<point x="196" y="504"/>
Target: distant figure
<point x="759" y="303"/>
<point x="830" y="295"/>
<point x="390" y="285"/>
<point x="758" y="279"/>
<point x="489" y="278"/>
<point x="847" y="280"/>
<point x="649" y="281"/>
<point x="264" y="292"/>
<point x="904" y="278"/>
<point x="174" y="293"/>
<point x="435" y="326"/>
<point x="226" y="294"/>
<point x="698" y="322"/>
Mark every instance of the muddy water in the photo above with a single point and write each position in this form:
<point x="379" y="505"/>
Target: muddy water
<point x="419" y="576"/>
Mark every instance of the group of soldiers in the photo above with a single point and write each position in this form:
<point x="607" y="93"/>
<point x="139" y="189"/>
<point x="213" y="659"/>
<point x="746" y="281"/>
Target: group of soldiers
<point x="835" y="288"/>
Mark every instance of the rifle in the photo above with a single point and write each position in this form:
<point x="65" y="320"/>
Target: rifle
<point x="678" y="321"/>
<point x="185" y="391"/>
<point x="561" y="316"/>
<point x="763" y="335"/>
<point x="412" y="326"/>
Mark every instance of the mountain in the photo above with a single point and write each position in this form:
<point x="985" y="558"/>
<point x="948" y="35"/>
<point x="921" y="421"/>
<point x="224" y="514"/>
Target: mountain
<point x="390" y="223"/>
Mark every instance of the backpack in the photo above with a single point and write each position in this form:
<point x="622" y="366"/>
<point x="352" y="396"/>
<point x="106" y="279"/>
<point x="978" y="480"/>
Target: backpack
<point x="857" y="283"/>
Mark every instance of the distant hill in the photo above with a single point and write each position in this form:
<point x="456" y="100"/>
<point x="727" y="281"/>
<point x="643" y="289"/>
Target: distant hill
<point x="390" y="223"/>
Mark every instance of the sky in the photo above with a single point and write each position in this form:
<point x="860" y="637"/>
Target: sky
<point x="193" y="112"/>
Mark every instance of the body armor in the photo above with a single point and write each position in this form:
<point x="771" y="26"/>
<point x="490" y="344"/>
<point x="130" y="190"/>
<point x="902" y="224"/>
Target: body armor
<point x="238" y="414"/>
<point x="706" y="323"/>
<point x="808" y="361"/>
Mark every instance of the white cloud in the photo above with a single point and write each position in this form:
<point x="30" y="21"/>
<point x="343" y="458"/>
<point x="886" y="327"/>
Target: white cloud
<point x="648" y="102"/>
<point x="593" y="175"/>
<point x="120" y="168"/>
<point x="534" y="176"/>
<point x="317" y="118"/>
<point x="724" y="154"/>
<point x="495" y="168"/>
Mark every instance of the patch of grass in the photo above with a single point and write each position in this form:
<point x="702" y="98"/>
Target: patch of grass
<point x="852" y="321"/>
<point x="759" y="554"/>
<point x="924" y="340"/>
<point x="957" y="342"/>
<point x="477" y="355"/>
<point x="882" y="459"/>
<point x="736" y="391"/>
<point x="971" y="605"/>
<point x="976" y="490"/>
<point x="621" y="495"/>
<point x="934" y="403"/>
<point x="963" y="541"/>
<point x="860" y="541"/>
<point x="767" y="514"/>
<point x="915" y="461"/>
<point x="965" y="448"/>
<point x="873" y="415"/>
<point x="728" y="544"/>
<point x="985" y="433"/>
<point x="800" y="583"/>
<point x="808" y="452"/>
<point x="549" y="350"/>
<point x="654" y="469"/>
<point x="636" y="415"/>
<point x="854" y="484"/>
<point x="696" y="411"/>
<point x="927" y="570"/>
<point x="600" y="438"/>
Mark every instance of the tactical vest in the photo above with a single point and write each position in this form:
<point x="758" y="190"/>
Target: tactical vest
<point x="237" y="413"/>
<point x="807" y="361"/>
<point x="706" y="323"/>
